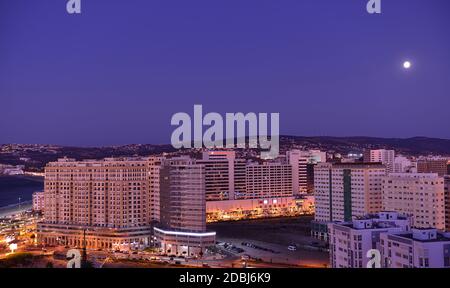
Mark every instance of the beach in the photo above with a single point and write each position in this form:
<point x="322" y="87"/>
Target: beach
<point x="16" y="193"/>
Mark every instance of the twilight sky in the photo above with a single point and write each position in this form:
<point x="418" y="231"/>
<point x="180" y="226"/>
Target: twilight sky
<point x="117" y="73"/>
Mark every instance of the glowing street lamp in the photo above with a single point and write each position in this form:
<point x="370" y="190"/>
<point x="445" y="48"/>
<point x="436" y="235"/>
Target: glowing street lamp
<point x="13" y="247"/>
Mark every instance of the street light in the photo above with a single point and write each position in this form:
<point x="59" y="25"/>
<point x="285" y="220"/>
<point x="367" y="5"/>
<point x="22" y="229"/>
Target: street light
<point x="13" y="247"/>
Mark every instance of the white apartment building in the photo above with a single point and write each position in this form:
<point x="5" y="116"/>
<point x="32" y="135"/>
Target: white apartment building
<point x="350" y="242"/>
<point x="299" y="160"/>
<point x="345" y="191"/>
<point x="419" y="248"/>
<point x="404" y="165"/>
<point x="419" y="195"/>
<point x="38" y="201"/>
<point x="383" y="156"/>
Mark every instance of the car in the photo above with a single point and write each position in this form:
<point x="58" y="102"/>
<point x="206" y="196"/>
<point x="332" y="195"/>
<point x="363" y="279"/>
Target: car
<point x="292" y="248"/>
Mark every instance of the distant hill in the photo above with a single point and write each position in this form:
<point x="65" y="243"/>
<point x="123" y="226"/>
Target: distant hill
<point x="38" y="155"/>
<point x="408" y="146"/>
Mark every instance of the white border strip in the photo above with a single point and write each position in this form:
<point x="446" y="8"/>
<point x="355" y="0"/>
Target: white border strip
<point x="185" y="233"/>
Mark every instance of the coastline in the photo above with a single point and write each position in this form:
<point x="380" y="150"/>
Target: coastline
<point x="13" y="187"/>
<point x="25" y="176"/>
<point x="14" y="209"/>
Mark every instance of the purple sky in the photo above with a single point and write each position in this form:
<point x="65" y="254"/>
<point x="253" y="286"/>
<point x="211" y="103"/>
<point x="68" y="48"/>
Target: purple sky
<point x="117" y="73"/>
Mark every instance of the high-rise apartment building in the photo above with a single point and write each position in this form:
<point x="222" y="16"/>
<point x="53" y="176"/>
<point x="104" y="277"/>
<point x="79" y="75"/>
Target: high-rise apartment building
<point x="419" y="195"/>
<point x="433" y="165"/>
<point x="268" y="180"/>
<point x="115" y="203"/>
<point x="383" y="156"/>
<point x="154" y="166"/>
<point x="350" y="241"/>
<point x="345" y="191"/>
<point x="299" y="160"/>
<point x="182" y="227"/>
<point x="224" y="175"/>
<point x="107" y="201"/>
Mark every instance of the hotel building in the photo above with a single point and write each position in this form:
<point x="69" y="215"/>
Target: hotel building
<point x="105" y="201"/>
<point x="419" y="195"/>
<point x="345" y="191"/>
<point x="182" y="226"/>
<point x="350" y="242"/>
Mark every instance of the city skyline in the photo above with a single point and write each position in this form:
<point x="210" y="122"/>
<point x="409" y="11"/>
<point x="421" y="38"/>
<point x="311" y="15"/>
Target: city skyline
<point x="117" y="73"/>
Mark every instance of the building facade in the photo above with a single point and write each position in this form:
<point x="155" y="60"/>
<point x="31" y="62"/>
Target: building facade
<point x="224" y="175"/>
<point x="38" y="201"/>
<point x="299" y="160"/>
<point x="350" y="242"/>
<point x="419" y="248"/>
<point x="433" y="165"/>
<point x="182" y="226"/>
<point x="345" y="191"/>
<point x="404" y="165"/>
<point x="268" y="180"/>
<point x="106" y="201"/>
<point x="383" y="156"/>
<point x="419" y="195"/>
<point x="447" y="202"/>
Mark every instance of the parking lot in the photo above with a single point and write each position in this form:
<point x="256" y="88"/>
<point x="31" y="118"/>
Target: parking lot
<point x="280" y="240"/>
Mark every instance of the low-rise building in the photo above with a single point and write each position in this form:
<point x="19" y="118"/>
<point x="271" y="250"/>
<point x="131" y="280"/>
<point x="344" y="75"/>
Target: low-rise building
<point x="419" y="248"/>
<point x="350" y="242"/>
<point x="259" y="208"/>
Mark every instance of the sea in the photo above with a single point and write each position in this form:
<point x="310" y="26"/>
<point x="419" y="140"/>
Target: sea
<point x="14" y="187"/>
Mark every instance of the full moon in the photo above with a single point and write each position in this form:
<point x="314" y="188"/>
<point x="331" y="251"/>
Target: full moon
<point x="406" y="64"/>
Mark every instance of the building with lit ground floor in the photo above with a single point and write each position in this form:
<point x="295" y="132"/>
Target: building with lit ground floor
<point x="107" y="200"/>
<point x="182" y="226"/>
<point x="184" y="243"/>
<point x="259" y="208"/>
<point x="74" y="236"/>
